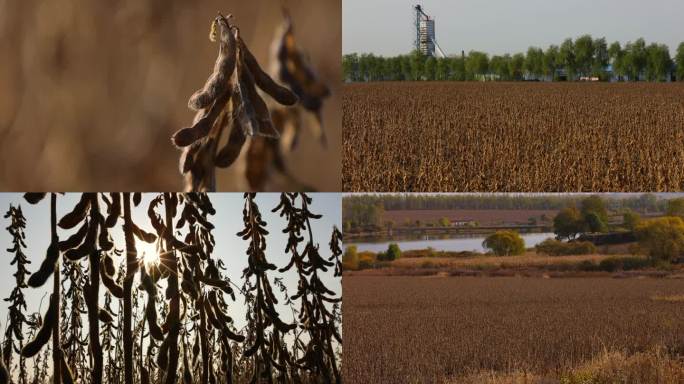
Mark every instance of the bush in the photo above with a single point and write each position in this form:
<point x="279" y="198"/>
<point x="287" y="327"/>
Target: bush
<point x="663" y="237"/>
<point x="505" y="243"/>
<point x="393" y="252"/>
<point x="350" y="258"/>
<point x="613" y="264"/>
<point x="366" y="260"/>
<point x="553" y="247"/>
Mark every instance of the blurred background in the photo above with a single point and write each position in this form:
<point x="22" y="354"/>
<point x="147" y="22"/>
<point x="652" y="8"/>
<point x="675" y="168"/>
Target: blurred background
<point x="91" y="91"/>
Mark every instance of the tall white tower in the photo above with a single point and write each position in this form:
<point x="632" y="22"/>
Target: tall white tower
<point x="425" y="32"/>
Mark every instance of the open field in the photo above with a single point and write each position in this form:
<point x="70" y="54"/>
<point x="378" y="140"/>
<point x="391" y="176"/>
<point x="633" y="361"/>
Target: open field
<point x="496" y="330"/>
<point x="513" y="137"/>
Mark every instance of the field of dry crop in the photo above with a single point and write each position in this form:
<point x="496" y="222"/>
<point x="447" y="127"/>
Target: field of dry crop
<point x="513" y="137"/>
<point x="415" y="329"/>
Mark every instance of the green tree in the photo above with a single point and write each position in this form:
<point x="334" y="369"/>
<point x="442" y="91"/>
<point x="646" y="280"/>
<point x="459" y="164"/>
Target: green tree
<point x="393" y="252"/>
<point x="534" y="62"/>
<point x="675" y="207"/>
<point x="617" y="59"/>
<point x="516" y="65"/>
<point x="505" y="243"/>
<point x="444" y="222"/>
<point x="442" y="70"/>
<point x="659" y="62"/>
<point x="679" y="60"/>
<point x="457" y="69"/>
<point x="568" y="223"/>
<point x="550" y="61"/>
<point x="350" y="67"/>
<point x="417" y="61"/>
<point x="662" y="237"/>
<point x="430" y="69"/>
<point x="635" y="59"/>
<point x="499" y="65"/>
<point x="566" y="55"/>
<point x="601" y="58"/>
<point x="594" y="223"/>
<point x="594" y="204"/>
<point x="477" y="63"/>
<point x="584" y="54"/>
<point x="631" y="219"/>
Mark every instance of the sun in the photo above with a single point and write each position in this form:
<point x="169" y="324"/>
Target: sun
<point x="148" y="253"/>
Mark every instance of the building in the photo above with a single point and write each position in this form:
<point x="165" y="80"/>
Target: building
<point x="425" y="32"/>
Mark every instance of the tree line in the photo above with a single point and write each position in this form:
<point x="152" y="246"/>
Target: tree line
<point x="170" y="321"/>
<point x="571" y="60"/>
<point x="365" y="210"/>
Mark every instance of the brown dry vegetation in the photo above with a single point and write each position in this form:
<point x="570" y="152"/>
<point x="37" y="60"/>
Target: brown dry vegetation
<point x="513" y="137"/>
<point x="408" y="329"/>
<point x="91" y="92"/>
<point x="529" y="259"/>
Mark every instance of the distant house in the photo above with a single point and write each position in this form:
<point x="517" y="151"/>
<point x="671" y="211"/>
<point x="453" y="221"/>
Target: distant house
<point x="462" y="222"/>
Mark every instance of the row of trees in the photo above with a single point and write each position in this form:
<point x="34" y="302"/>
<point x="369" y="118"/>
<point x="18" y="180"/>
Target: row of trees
<point x="368" y="210"/>
<point x="174" y="320"/>
<point x="583" y="57"/>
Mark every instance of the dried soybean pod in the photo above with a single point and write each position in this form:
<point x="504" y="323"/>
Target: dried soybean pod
<point x="77" y="214"/>
<point x="34" y="197"/>
<point x="74" y="240"/>
<point x="114" y="210"/>
<point x="151" y="316"/>
<point x="217" y="84"/>
<point x="263" y="116"/>
<point x="200" y="128"/>
<point x="264" y="81"/>
<point x="143" y="235"/>
<point x="105" y="316"/>
<point x="43" y="335"/>
<point x="230" y="152"/>
<point x="47" y="267"/>
<point x="111" y="285"/>
<point x="137" y="196"/>
<point x="86" y="247"/>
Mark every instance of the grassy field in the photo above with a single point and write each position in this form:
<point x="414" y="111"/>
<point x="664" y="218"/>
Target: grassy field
<point x="512" y="330"/>
<point x="521" y="137"/>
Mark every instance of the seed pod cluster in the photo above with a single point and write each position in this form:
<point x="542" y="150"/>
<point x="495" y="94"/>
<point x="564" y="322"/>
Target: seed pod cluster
<point x="290" y="66"/>
<point x="194" y="305"/>
<point x="228" y="100"/>
<point x="294" y="70"/>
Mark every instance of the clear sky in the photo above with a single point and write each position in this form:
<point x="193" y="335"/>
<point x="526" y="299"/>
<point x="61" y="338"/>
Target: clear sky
<point x="229" y="247"/>
<point x="385" y="27"/>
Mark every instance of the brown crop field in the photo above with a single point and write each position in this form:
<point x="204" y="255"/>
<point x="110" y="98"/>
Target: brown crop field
<point x="521" y="137"/>
<point x="513" y="330"/>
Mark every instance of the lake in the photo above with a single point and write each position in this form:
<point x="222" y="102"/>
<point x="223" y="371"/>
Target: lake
<point x="454" y="244"/>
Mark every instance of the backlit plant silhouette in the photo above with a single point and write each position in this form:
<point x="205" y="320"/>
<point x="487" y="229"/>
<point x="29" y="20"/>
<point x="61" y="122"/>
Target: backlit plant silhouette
<point x="172" y="320"/>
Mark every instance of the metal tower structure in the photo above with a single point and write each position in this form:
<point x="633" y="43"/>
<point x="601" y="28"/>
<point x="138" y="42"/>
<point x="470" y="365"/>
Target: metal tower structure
<point x="425" y="33"/>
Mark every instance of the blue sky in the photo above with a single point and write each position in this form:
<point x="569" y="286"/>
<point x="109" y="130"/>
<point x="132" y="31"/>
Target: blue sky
<point x="385" y="27"/>
<point x="230" y="248"/>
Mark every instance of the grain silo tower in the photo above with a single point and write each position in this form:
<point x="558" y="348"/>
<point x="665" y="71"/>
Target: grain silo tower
<point x="425" y="33"/>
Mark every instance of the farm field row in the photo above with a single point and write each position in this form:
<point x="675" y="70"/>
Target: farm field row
<point x="415" y="329"/>
<point x="513" y="137"/>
